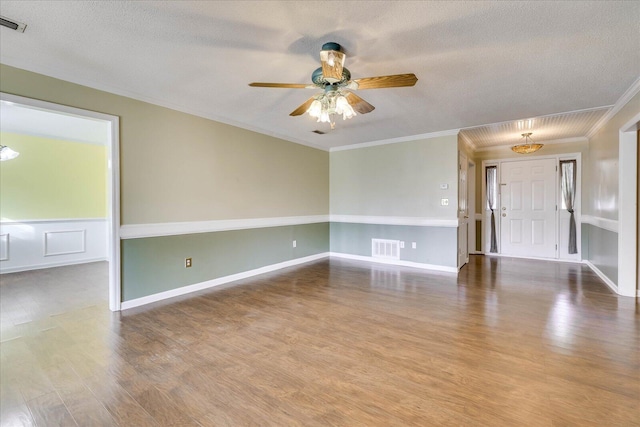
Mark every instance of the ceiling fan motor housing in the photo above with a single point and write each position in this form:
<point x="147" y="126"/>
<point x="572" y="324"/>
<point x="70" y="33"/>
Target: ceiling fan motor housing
<point x="318" y="78"/>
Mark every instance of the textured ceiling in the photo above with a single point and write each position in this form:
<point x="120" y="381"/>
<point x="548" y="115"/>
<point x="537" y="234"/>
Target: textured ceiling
<point x="477" y="62"/>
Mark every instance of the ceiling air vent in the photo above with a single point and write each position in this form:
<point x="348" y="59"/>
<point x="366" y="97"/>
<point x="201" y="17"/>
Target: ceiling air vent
<point x="14" y="25"/>
<point x="319" y="132"/>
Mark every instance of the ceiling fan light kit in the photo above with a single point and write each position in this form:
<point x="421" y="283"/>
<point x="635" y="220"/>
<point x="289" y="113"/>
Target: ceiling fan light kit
<point x="335" y="80"/>
<point x="7" y="153"/>
<point x="528" y="146"/>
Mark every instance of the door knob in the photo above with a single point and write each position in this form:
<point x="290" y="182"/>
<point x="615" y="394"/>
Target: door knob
<point x="504" y="208"/>
<point x="504" y="214"/>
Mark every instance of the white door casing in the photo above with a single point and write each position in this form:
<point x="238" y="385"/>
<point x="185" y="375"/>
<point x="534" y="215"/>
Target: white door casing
<point x="463" y="210"/>
<point x="113" y="183"/>
<point x="471" y="208"/>
<point x="528" y="208"/>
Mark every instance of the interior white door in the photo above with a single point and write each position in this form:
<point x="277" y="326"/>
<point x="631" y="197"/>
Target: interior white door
<point x="528" y="208"/>
<point x="463" y="210"/>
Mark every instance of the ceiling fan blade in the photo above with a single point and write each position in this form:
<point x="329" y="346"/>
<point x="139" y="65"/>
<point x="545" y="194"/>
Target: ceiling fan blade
<point x="360" y="105"/>
<point x="284" y="85"/>
<point x="303" y="108"/>
<point x="332" y="65"/>
<point x="396" y="80"/>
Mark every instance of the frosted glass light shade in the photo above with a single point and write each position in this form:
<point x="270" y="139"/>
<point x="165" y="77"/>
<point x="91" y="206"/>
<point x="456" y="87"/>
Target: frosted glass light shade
<point x="7" y="153"/>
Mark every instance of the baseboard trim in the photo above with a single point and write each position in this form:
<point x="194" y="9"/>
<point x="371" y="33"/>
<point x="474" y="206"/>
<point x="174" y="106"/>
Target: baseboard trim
<point x="125" y="305"/>
<point x="49" y="265"/>
<point x="603" y="276"/>
<point x="422" y="266"/>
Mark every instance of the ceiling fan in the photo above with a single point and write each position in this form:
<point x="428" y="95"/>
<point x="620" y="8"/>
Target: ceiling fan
<point x="335" y="80"/>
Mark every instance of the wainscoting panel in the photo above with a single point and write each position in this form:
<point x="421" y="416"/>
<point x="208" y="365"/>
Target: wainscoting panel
<point x="34" y="244"/>
<point x="64" y="242"/>
<point x="4" y="247"/>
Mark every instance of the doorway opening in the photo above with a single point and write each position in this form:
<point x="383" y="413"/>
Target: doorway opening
<point x="63" y="242"/>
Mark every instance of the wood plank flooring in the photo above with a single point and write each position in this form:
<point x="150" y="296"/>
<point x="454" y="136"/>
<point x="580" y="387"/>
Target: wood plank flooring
<point x="507" y="342"/>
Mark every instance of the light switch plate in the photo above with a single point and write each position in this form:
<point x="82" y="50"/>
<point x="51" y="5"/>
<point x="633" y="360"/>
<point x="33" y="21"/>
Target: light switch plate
<point x="444" y="186"/>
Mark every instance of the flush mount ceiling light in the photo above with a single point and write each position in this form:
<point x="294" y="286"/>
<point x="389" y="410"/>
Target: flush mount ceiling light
<point x="335" y="79"/>
<point x="528" y="146"/>
<point x="7" y="153"/>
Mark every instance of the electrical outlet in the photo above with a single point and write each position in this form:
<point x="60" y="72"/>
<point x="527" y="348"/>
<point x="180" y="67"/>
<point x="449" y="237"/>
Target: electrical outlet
<point x="401" y="245"/>
<point x="295" y="243"/>
<point x="187" y="262"/>
<point x="413" y="245"/>
<point x="444" y="202"/>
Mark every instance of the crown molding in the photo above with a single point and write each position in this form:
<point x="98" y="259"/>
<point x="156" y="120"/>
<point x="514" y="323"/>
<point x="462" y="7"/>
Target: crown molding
<point x="470" y="145"/>
<point x="113" y="90"/>
<point x="624" y="99"/>
<point x="430" y="135"/>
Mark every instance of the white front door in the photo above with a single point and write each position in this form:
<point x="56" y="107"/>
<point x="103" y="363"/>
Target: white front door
<point x="463" y="211"/>
<point x="528" y="208"/>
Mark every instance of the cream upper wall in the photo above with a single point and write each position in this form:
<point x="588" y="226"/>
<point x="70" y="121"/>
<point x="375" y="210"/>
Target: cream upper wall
<point x="603" y="163"/>
<point x="178" y="167"/>
<point x="399" y="179"/>
<point x="52" y="179"/>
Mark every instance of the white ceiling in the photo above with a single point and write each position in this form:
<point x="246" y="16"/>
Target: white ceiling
<point x="33" y="121"/>
<point x="555" y="128"/>
<point x="477" y="63"/>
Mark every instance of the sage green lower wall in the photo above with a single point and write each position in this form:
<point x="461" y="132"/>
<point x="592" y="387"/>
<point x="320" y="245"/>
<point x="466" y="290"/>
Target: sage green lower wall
<point x="434" y="245"/>
<point x="603" y="250"/>
<point x="156" y="264"/>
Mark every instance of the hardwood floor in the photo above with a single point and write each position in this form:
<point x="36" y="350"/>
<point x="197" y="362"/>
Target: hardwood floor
<point x="506" y="342"/>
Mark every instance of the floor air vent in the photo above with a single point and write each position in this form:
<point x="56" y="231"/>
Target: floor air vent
<point x="387" y="249"/>
<point x="319" y="132"/>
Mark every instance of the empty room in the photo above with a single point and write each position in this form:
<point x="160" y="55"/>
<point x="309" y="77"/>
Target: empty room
<point x="274" y="213"/>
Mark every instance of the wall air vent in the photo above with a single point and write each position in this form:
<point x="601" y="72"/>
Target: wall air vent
<point x="387" y="249"/>
<point x="14" y="25"/>
<point x="319" y="132"/>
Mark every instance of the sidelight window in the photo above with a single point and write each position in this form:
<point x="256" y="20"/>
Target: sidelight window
<point x="568" y="184"/>
<point x="491" y="176"/>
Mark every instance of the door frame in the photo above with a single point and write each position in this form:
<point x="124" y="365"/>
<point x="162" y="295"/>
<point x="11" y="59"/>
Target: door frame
<point x="463" y="214"/>
<point x="628" y="208"/>
<point x="113" y="183"/>
<point x="578" y="202"/>
<point x="471" y="206"/>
